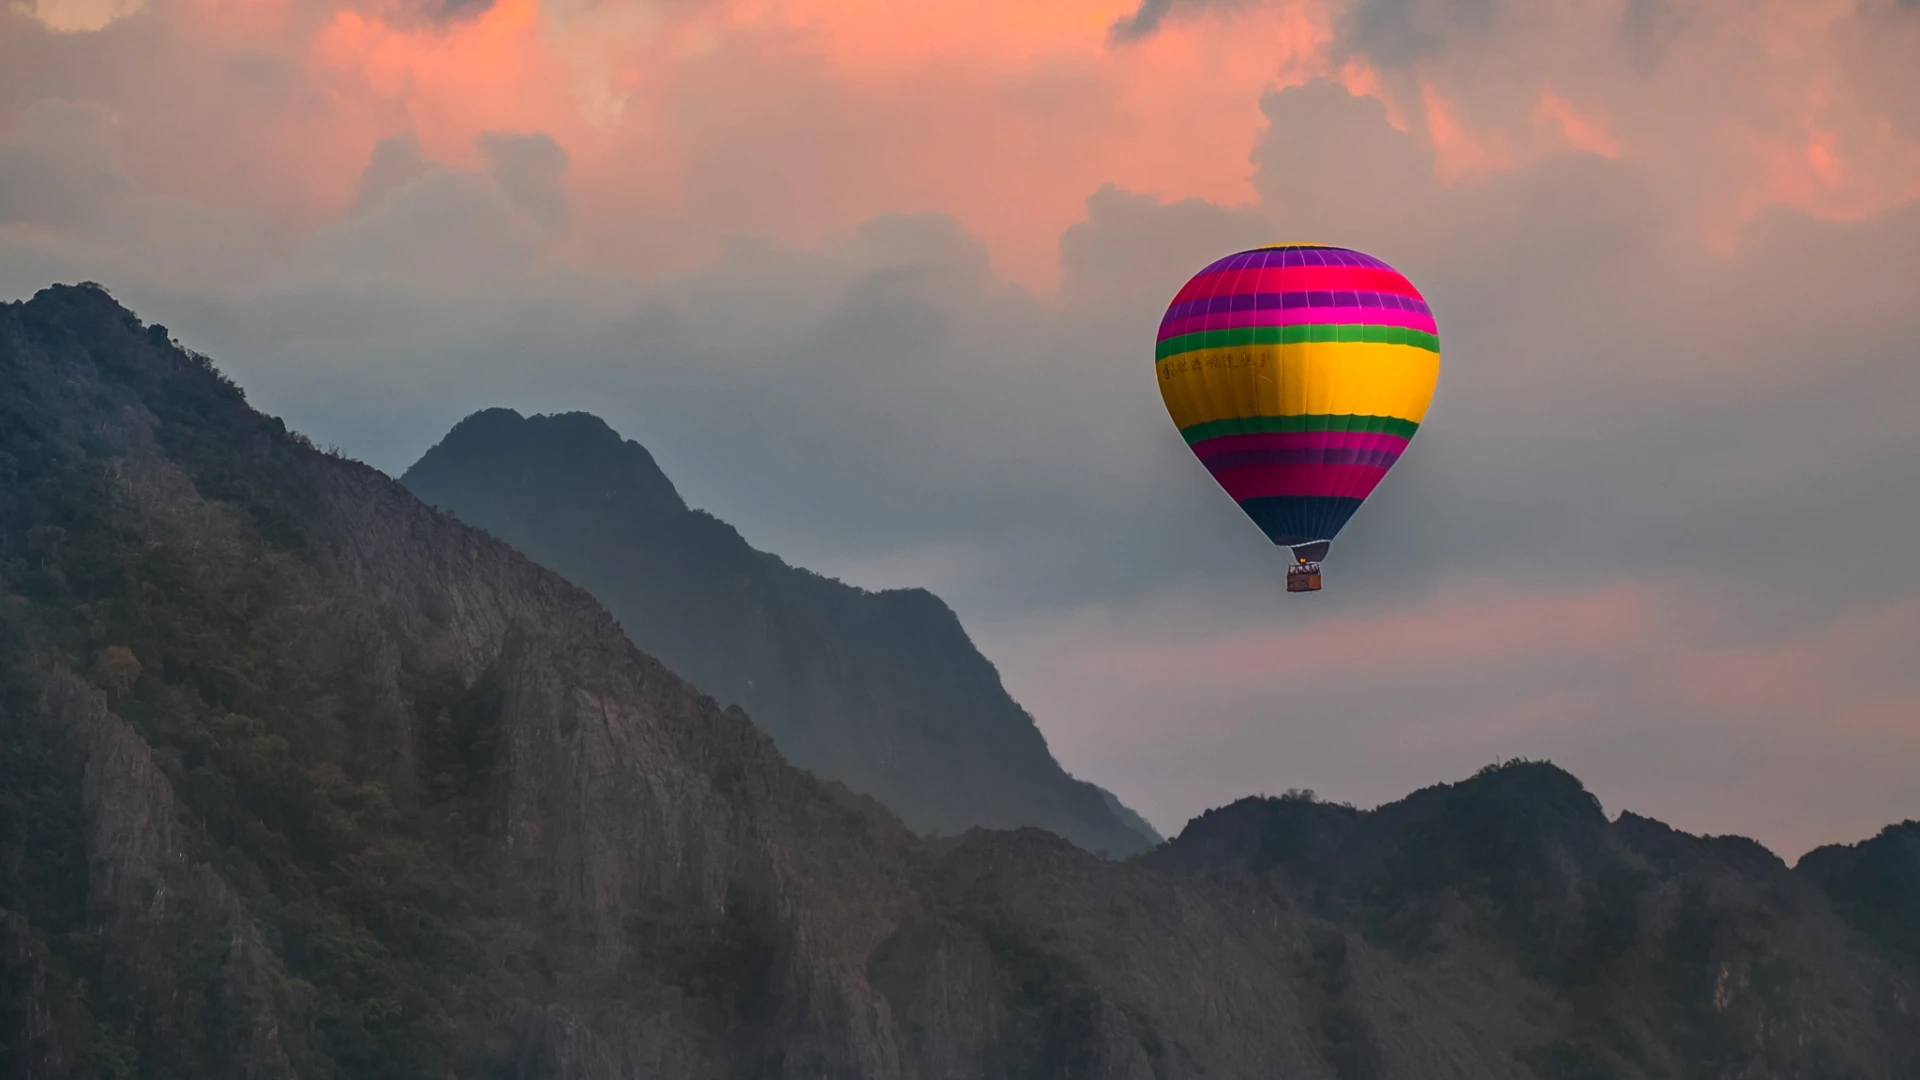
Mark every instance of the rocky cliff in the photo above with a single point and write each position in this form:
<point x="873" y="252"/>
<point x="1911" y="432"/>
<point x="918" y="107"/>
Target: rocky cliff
<point x="882" y="691"/>
<point x="302" y="778"/>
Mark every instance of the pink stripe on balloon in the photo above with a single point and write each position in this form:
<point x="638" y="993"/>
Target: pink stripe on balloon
<point x="1290" y="278"/>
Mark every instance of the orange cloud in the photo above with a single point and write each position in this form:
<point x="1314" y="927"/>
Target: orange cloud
<point x="1006" y="115"/>
<point x="451" y="83"/>
<point x="1361" y="80"/>
<point x="77" y="16"/>
<point x="1458" y="153"/>
<point x="687" y="122"/>
<point x="1581" y="131"/>
<point x="799" y="117"/>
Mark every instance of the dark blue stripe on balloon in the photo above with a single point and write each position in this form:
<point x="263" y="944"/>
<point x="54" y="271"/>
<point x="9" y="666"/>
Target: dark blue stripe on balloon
<point x="1300" y="519"/>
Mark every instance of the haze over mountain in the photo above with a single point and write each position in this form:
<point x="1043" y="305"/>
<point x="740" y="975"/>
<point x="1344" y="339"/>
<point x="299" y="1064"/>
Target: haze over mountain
<point x="882" y="691"/>
<point x="301" y="778"/>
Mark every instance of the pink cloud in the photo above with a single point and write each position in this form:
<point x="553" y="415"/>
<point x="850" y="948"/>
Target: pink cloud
<point x="1458" y="634"/>
<point x="1651" y="691"/>
<point x="1850" y="678"/>
<point x="1581" y="130"/>
<point x="1458" y="152"/>
<point x="801" y="118"/>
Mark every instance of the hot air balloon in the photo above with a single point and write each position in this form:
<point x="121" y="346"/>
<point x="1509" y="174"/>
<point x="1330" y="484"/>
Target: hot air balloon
<point x="1297" y="373"/>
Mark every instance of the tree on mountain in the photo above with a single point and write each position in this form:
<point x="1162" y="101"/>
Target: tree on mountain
<point x="117" y="668"/>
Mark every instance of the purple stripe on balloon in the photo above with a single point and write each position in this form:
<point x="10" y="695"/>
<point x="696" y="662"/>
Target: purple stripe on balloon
<point x="1239" y="260"/>
<point x="1297" y="440"/>
<point x="1319" y="257"/>
<point x="1329" y="456"/>
<point x="1263" y="301"/>
<point x="1262" y="257"/>
<point x="1339" y="316"/>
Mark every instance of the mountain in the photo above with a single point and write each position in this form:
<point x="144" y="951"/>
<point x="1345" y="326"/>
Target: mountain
<point x="1524" y="918"/>
<point x="300" y="778"/>
<point x="1876" y="886"/>
<point x="881" y="691"/>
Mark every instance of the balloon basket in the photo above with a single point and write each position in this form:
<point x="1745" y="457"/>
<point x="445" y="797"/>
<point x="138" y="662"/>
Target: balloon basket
<point x="1303" y="577"/>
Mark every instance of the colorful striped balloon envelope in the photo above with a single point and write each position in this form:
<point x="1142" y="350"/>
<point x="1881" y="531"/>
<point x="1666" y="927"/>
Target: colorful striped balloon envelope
<point x="1297" y="373"/>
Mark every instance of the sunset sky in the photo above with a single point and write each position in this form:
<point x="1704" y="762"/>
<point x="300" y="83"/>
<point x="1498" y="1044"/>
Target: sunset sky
<point x="877" y="281"/>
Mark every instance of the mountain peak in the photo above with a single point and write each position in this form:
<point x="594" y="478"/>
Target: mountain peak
<point x="582" y="429"/>
<point x="556" y="467"/>
<point x="1538" y="787"/>
<point x="1875" y="885"/>
<point x="883" y="691"/>
<point x="485" y="424"/>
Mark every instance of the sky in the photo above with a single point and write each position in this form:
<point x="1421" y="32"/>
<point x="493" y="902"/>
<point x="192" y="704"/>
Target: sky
<point x="877" y="281"/>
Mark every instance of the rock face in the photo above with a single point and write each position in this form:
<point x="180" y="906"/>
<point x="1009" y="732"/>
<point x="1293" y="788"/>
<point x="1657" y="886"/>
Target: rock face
<point x="302" y="778"/>
<point x="881" y="691"/>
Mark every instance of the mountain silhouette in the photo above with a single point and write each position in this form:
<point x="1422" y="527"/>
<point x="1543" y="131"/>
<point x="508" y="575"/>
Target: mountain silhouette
<point x="882" y="691"/>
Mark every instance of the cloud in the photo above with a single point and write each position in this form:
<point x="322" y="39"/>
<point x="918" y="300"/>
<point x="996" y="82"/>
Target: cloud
<point x="1149" y="17"/>
<point x="531" y="169"/>
<point x="1397" y="32"/>
<point x="1581" y="130"/>
<point x="1758" y="733"/>
<point x="1143" y="22"/>
<point x="1647" y="29"/>
<point x="77" y="16"/>
<point x="688" y="123"/>
<point x="1553" y="407"/>
<point x="445" y="228"/>
<point x="436" y="12"/>
<point x="57" y="166"/>
<point x="419" y="221"/>
<point x="396" y="162"/>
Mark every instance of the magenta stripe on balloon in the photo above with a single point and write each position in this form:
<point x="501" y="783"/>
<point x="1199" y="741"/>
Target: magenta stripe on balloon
<point x="1289" y="440"/>
<point x="1296" y="294"/>
<point x="1300" y="455"/>
<point x="1349" y="316"/>
<point x="1277" y="279"/>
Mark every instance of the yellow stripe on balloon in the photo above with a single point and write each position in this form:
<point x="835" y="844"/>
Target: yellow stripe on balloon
<point x="1317" y="378"/>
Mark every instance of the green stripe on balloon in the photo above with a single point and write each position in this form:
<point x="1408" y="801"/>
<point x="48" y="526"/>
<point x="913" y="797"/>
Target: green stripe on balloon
<point x="1260" y="425"/>
<point x="1296" y="335"/>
